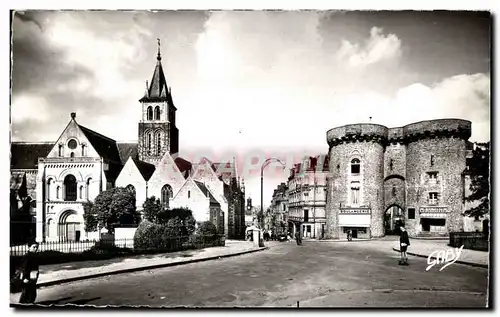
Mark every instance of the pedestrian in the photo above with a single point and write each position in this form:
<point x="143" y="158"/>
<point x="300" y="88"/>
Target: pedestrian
<point x="298" y="238"/>
<point x="349" y="235"/>
<point x="404" y="242"/>
<point x="29" y="275"/>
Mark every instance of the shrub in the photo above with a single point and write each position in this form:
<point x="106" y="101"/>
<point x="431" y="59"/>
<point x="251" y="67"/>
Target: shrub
<point x="146" y="236"/>
<point x="151" y="208"/>
<point x="206" y="228"/>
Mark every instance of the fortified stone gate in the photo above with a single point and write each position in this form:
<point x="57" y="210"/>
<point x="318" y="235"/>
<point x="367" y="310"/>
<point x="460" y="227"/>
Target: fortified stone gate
<point x="413" y="172"/>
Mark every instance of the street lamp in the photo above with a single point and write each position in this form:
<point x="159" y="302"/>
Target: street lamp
<point x="266" y="163"/>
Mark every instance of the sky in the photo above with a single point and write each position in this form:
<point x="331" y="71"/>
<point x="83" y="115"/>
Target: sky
<point x="253" y="84"/>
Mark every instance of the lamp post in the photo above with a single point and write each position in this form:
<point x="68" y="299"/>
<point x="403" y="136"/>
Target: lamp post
<point x="266" y="163"/>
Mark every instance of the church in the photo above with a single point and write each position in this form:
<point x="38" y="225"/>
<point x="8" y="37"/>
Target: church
<point x="53" y="179"/>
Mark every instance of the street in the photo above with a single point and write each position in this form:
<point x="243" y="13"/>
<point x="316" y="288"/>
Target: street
<point x="316" y="274"/>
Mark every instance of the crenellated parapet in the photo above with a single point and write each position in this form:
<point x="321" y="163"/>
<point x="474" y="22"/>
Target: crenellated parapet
<point x="395" y="136"/>
<point x="364" y="132"/>
<point x="441" y="128"/>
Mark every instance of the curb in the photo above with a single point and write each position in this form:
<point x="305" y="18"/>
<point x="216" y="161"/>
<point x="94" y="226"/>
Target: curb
<point x="485" y="266"/>
<point x="143" y="268"/>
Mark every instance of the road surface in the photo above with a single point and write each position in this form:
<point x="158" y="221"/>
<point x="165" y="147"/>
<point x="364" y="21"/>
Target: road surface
<point x="316" y="274"/>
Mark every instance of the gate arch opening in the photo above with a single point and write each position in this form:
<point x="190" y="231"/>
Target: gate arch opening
<point x="393" y="220"/>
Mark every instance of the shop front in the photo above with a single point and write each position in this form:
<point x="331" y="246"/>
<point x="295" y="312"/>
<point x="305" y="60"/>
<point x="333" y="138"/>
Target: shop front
<point x="357" y="220"/>
<point x="433" y="220"/>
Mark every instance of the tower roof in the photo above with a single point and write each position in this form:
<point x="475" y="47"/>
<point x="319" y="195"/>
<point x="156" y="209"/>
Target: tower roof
<point x="157" y="89"/>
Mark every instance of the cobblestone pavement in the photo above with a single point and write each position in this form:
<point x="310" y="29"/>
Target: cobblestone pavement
<point x="315" y="274"/>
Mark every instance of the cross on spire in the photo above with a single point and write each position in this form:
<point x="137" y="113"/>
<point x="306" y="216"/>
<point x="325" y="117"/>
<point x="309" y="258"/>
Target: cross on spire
<point x="159" y="44"/>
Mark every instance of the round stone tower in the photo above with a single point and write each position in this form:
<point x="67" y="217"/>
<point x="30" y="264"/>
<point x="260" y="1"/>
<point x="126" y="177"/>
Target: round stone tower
<point x="435" y="162"/>
<point x="355" y="183"/>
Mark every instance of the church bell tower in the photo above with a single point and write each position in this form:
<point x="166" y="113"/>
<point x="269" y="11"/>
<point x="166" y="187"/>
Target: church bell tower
<point x="158" y="133"/>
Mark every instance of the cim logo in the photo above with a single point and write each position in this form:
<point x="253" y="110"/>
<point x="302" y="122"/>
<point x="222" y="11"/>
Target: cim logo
<point x="447" y="257"/>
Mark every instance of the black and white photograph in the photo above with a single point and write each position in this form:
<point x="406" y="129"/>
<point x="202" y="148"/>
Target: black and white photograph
<point x="250" y="158"/>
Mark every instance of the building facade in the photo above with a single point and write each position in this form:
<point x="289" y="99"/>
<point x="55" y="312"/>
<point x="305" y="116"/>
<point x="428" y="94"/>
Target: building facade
<point x="279" y="209"/>
<point x="383" y="177"/>
<point x="60" y="176"/>
<point x="307" y="188"/>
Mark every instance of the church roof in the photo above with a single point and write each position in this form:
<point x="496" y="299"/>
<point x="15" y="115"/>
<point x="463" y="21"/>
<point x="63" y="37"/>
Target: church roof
<point x="207" y="193"/>
<point x="105" y="147"/>
<point x="225" y="171"/>
<point x="25" y="155"/>
<point x="127" y="150"/>
<point x="184" y="166"/>
<point x="146" y="169"/>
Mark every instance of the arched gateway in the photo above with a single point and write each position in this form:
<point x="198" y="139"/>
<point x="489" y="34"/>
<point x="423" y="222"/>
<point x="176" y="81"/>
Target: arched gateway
<point x="69" y="228"/>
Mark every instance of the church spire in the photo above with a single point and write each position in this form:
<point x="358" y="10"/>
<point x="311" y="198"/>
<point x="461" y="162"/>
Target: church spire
<point x="158" y="88"/>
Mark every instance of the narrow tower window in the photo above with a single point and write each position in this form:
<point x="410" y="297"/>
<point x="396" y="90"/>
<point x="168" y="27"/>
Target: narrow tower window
<point x="150" y="113"/>
<point x="158" y="143"/>
<point x="157" y="113"/>
<point x="149" y="143"/>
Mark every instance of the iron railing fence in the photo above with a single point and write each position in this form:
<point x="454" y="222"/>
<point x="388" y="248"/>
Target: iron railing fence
<point x="155" y="245"/>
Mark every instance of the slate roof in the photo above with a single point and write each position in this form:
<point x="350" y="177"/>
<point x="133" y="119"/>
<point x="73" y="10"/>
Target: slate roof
<point x="25" y="155"/>
<point x="207" y="193"/>
<point x="105" y="147"/>
<point x="145" y="168"/>
<point x="184" y="166"/>
<point x="127" y="150"/>
<point x="158" y="88"/>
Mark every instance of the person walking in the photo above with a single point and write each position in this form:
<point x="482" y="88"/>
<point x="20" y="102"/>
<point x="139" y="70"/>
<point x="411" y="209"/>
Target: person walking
<point x="298" y="238"/>
<point x="29" y="275"/>
<point x="404" y="242"/>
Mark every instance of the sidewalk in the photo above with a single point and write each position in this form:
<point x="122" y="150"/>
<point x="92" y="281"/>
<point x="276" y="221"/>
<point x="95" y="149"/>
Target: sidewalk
<point x="74" y="271"/>
<point x="424" y="248"/>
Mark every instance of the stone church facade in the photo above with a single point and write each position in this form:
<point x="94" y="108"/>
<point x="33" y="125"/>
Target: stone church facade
<point x="381" y="178"/>
<point x="56" y="178"/>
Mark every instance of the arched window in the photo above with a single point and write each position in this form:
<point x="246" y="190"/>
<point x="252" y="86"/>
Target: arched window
<point x="49" y="184"/>
<point x="150" y="113"/>
<point x="83" y="150"/>
<point x="166" y="194"/>
<point x="81" y="192"/>
<point x="58" y="191"/>
<point x="355" y="166"/>
<point x="72" y="154"/>
<point x="158" y="142"/>
<point x="157" y="113"/>
<point x="70" y="188"/>
<point x="60" y="150"/>
<point x="88" y="189"/>
<point x="49" y="224"/>
<point x="131" y="189"/>
<point x="149" y="144"/>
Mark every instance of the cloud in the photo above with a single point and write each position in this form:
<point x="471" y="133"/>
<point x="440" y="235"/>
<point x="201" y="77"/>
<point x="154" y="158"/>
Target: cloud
<point x="377" y="48"/>
<point x="462" y="96"/>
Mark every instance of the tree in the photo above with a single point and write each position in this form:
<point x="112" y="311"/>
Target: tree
<point x="152" y="209"/>
<point x="115" y="206"/>
<point x="89" y="217"/>
<point x="479" y="171"/>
